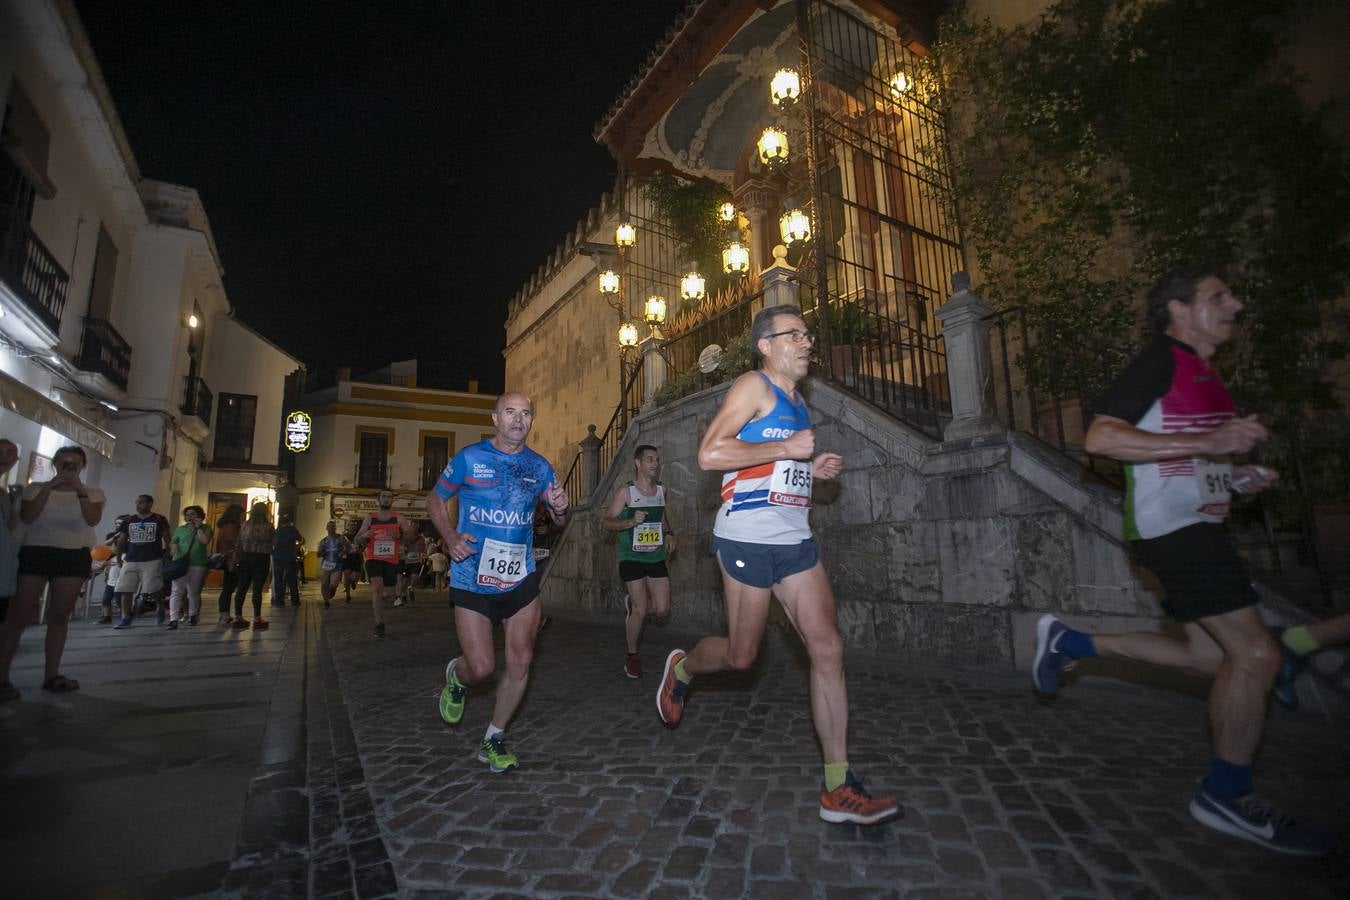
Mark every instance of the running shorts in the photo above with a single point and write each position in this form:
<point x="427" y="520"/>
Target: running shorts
<point x="1200" y="571"/>
<point x="498" y="607"/>
<point x="631" y="570"/>
<point x="385" y="571"/>
<point x="764" y="565"/>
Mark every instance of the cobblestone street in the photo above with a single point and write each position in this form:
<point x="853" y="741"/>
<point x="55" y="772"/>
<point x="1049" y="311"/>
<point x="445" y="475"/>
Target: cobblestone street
<point x="374" y="796"/>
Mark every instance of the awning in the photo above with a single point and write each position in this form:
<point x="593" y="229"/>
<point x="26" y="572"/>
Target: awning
<point x="18" y="397"/>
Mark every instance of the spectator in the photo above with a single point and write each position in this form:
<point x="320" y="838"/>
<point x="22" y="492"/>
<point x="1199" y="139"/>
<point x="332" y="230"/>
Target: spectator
<point x="225" y="544"/>
<point x="440" y="565"/>
<point x="256" y="538"/>
<point x="60" y="515"/>
<point x="111" y="567"/>
<point x="190" y="540"/>
<point x="143" y="541"/>
<point x="9" y="547"/>
<point x="284" y="569"/>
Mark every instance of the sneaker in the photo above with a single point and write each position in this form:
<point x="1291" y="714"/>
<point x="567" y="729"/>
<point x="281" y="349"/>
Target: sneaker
<point x="1291" y="666"/>
<point x="632" y="666"/>
<point x="192" y="620"/>
<point x="240" y="622"/>
<point x="173" y="624"/>
<point x="106" y="620"/>
<point x="225" y="619"/>
<point x="493" y="752"/>
<point x="122" y="623"/>
<point x="260" y="624"/>
<point x="379" y="629"/>
<point x="1049" y="663"/>
<point x="398" y="601"/>
<point x="670" y="694"/>
<point x="850" y="802"/>
<point x="1249" y="818"/>
<point x="452" y="696"/>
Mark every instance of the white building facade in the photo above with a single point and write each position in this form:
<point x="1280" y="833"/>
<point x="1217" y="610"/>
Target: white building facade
<point x="116" y="332"/>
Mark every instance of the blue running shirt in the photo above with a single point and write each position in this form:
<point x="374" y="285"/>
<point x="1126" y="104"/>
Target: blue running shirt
<point x="497" y="495"/>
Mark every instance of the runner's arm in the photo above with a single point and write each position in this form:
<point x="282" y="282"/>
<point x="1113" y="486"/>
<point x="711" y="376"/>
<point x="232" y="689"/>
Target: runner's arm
<point x="359" y="539"/>
<point x="721" y="451"/>
<point x="1118" y="439"/>
<point x="438" y="511"/>
<point x="612" y="522"/>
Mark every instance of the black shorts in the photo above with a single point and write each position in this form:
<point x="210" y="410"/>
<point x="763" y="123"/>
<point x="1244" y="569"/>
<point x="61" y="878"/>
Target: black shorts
<point x="385" y="571"/>
<point x="55" y="562"/>
<point x="351" y="562"/>
<point x="1200" y="571"/>
<point x="632" y="570"/>
<point x="764" y="565"/>
<point x="409" y="569"/>
<point x="499" y="607"/>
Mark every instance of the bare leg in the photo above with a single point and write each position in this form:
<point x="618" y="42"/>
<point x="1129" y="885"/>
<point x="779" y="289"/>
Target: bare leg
<point x="637" y="612"/>
<point x="477" y="658"/>
<point x="747" y="612"/>
<point x="377" y="599"/>
<point x="1237" y="702"/>
<point x="1331" y="632"/>
<point x="1198" y="653"/>
<point x="809" y="603"/>
<point x="658" y="589"/>
<point x="62" y="603"/>
<point x="520" y="633"/>
<point x="20" y="614"/>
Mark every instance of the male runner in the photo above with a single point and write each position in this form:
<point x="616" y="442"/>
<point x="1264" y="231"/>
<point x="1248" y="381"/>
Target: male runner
<point x="638" y="513"/>
<point x="1170" y="419"/>
<point x="378" y="536"/>
<point x="483" y="505"/>
<point x="762" y="439"/>
<point x="1298" y="643"/>
<point x="331" y="550"/>
<point x="411" y="549"/>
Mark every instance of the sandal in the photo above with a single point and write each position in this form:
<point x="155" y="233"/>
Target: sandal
<point x="60" y="684"/>
<point x="9" y="692"/>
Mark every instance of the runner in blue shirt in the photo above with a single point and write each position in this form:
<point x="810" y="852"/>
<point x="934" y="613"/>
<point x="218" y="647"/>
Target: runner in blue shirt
<point x="483" y="504"/>
<point x="331" y="550"/>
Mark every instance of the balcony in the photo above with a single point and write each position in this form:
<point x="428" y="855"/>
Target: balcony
<point x="105" y="354"/>
<point x="33" y="275"/>
<point x="197" y="399"/>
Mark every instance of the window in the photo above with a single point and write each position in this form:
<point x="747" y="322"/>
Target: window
<point x="105" y="276"/>
<point x="435" y="454"/>
<point x="372" y="468"/>
<point x="234" y="427"/>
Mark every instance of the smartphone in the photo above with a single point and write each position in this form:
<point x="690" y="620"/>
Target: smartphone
<point x="70" y="466"/>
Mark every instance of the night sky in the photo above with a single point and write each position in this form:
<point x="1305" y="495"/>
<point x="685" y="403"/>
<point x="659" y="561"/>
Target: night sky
<point x="380" y="178"/>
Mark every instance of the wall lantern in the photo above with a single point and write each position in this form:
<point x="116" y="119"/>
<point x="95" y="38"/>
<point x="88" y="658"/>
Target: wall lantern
<point x="785" y="87"/>
<point x="625" y="236"/>
<point x="773" y="146"/>
<point x="693" y="286"/>
<point x="193" y="321"/>
<point x="609" y="282"/>
<point x="736" y="259"/>
<point x="654" y="310"/>
<point x="727" y="211"/>
<point x="795" y="227"/>
<point x="899" y="83"/>
<point x="628" y="335"/>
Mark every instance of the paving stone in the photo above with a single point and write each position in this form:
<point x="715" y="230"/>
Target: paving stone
<point x="1062" y="870"/>
<point x="582" y="883"/>
<point x="763" y="889"/>
<point x="724" y="884"/>
<point x="1016" y="887"/>
<point x="768" y="860"/>
<point x="685" y="864"/>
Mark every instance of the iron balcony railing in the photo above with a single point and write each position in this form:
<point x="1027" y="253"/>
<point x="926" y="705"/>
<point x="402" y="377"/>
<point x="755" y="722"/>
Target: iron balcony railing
<point x="105" y="352"/>
<point x="32" y="273"/>
<point x="197" y="399"/>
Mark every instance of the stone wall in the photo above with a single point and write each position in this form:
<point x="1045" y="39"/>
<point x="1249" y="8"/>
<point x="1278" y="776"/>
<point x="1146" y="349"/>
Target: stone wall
<point x="951" y="549"/>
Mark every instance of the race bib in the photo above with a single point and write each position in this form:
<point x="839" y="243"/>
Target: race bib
<point x="647" y="537"/>
<point x="1215" y="484"/>
<point x="383" y="548"/>
<point x="328" y="566"/>
<point x="791" y="483"/>
<point x="501" y="565"/>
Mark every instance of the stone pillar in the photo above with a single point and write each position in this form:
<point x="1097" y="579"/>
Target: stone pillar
<point x="967" y="341"/>
<point x="653" y="369"/>
<point x="781" y="287"/>
<point x="590" y="463"/>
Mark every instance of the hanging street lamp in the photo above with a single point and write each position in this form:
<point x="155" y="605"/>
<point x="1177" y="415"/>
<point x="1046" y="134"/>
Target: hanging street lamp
<point x="625" y="236"/>
<point x="785" y="87"/>
<point x="654" y="310"/>
<point x="900" y="84"/>
<point x="628" y="335"/>
<point x="795" y="227"/>
<point x="693" y="286"/>
<point x="609" y="283"/>
<point x="727" y="211"/>
<point x="772" y="146"/>
<point x="736" y="259"/>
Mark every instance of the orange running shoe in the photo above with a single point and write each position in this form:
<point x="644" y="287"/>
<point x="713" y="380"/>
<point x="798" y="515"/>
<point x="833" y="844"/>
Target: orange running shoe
<point x="670" y="694"/>
<point x="850" y="802"/>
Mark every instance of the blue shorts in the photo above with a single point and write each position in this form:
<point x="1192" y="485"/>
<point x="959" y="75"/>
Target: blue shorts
<point x="764" y="565"/>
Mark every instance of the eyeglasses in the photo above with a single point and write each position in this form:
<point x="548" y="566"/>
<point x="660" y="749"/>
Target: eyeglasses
<point x="795" y="335"/>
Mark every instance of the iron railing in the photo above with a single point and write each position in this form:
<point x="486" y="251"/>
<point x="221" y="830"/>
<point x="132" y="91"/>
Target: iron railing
<point x="682" y="351"/>
<point x="32" y="273"/>
<point x="610" y="438"/>
<point x="197" y="399"/>
<point x="104" y="351"/>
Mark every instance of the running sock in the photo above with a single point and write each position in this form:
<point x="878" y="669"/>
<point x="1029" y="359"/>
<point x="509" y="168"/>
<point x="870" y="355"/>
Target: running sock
<point x="1300" y="640"/>
<point x="681" y="675"/>
<point x="492" y="731"/>
<point x="1078" y="644"/>
<point x="1227" y="780"/>
<point x="835" y="775"/>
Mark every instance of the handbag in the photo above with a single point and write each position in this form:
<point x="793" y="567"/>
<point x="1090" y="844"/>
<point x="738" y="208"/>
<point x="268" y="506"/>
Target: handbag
<point x="174" y="569"/>
<point x="215" y="561"/>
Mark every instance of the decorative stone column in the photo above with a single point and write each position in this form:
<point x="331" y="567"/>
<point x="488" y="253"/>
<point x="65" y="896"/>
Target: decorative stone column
<point x="781" y="287"/>
<point x="653" y="369"/>
<point x="590" y="464"/>
<point x="968" y="367"/>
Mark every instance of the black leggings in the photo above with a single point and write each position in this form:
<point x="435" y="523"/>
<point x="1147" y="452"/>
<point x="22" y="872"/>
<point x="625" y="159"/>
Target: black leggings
<point x="227" y="586"/>
<point x="252" y="572"/>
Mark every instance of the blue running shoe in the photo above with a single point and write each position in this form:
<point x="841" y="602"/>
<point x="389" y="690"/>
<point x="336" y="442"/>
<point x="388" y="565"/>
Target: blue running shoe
<point x="1050" y="660"/>
<point x="1249" y="818"/>
<point x="1291" y="666"/>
